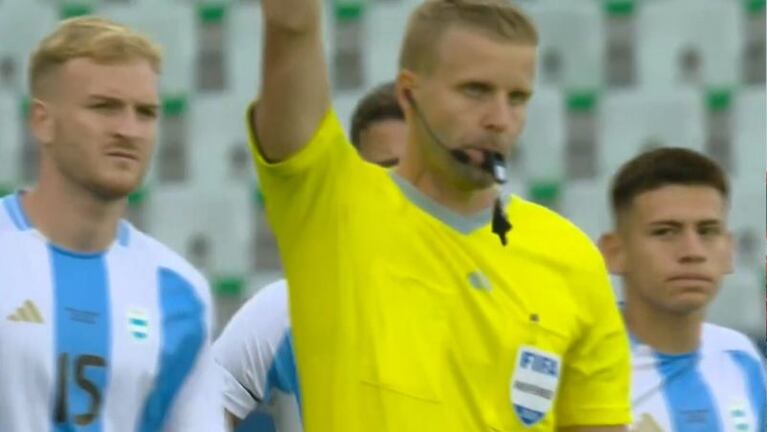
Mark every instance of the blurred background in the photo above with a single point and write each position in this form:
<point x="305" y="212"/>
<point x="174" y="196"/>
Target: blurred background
<point x="615" y="77"/>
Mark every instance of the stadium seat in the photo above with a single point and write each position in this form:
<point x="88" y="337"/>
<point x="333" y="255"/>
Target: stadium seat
<point x="10" y="140"/>
<point x="244" y="23"/>
<point x="212" y="227"/>
<point x="620" y="42"/>
<point x="171" y="24"/>
<point x="581" y="134"/>
<point x="385" y="29"/>
<point x="23" y="23"/>
<point x="747" y="222"/>
<point x="245" y="48"/>
<point x="542" y="144"/>
<point x="633" y="121"/>
<point x="697" y="42"/>
<point x="172" y="216"/>
<point x="218" y="141"/>
<point x="754" y="48"/>
<point x="572" y="44"/>
<point x="749" y="137"/>
<point x="585" y="203"/>
<point x="171" y="160"/>
<point x="740" y="303"/>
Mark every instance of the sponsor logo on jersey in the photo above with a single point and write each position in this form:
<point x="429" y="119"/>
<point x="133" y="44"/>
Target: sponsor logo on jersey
<point x="28" y="313"/>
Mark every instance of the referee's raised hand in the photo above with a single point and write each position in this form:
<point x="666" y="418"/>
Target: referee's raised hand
<point x="295" y="90"/>
<point x="292" y="15"/>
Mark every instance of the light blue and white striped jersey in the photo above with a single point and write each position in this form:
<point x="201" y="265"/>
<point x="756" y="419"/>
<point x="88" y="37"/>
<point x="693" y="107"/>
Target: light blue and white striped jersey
<point x="719" y="387"/>
<point x="117" y="341"/>
<point x="255" y="352"/>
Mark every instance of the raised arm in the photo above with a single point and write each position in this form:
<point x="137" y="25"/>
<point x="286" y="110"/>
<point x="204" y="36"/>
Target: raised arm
<point x="295" y="92"/>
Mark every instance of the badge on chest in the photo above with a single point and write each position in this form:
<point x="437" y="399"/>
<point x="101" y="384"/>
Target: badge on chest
<point x="534" y="384"/>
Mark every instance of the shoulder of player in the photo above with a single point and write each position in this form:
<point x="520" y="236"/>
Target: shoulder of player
<point x="7" y="223"/>
<point x="332" y="131"/>
<point x="328" y="136"/>
<point x="164" y="257"/>
<point x="548" y="227"/>
<point x="716" y="338"/>
<point x="259" y="326"/>
<point x="268" y="305"/>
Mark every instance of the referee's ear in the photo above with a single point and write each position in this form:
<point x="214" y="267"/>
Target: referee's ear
<point x="612" y="251"/>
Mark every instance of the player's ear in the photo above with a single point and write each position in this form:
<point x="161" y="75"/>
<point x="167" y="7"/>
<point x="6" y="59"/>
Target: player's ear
<point x="405" y="84"/>
<point x="611" y="246"/>
<point x="41" y="121"/>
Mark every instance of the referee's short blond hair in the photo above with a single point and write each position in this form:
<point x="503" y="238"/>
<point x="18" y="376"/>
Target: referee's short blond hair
<point x="96" y="38"/>
<point x="495" y="18"/>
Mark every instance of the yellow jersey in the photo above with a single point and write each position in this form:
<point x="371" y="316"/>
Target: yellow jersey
<point x="410" y="317"/>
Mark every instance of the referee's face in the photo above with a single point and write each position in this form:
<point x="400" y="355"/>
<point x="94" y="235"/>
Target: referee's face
<point x="98" y="125"/>
<point x="675" y="248"/>
<point x="475" y="99"/>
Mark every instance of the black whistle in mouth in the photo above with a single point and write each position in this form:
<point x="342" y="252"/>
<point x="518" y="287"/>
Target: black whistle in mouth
<point x="495" y="164"/>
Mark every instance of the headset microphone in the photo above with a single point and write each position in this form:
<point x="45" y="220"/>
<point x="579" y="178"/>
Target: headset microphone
<point x="493" y="163"/>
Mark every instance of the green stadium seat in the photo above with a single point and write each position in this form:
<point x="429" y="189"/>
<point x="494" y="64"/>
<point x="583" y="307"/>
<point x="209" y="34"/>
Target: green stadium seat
<point x="11" y="125"/>
<point x="572" y="42"/>
<point x="210" y="226"/>
<point x="23" y="23"/>
<point x="739" y="304"/>
<point x="385" y="30"/>
<point x="635" y="120"/>
<point x="749" y="136"/>
<point x="171" y="24"/>
<point x="584" y="202"/>
<point x="218" y="155"/>
<point x="542" y="144"/>
<point x="694" y="42"/>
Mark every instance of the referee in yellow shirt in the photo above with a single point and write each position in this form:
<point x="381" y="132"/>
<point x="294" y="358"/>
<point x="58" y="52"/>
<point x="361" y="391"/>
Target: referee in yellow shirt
<point x="421" y="299"/>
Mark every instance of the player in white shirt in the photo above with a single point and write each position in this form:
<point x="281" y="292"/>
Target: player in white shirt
<point x="255" y="350"/>
<point x="672" y="247"/>
<point x="102" y="329"/>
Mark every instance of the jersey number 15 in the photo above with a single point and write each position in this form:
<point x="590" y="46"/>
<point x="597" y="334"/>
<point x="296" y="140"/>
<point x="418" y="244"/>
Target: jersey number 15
<point x="81" y="362"/>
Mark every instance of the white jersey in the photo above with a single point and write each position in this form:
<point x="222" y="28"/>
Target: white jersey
<point x="117" y="341"/>
<point x="720" y="387"/>
<point x="255" y="352"/>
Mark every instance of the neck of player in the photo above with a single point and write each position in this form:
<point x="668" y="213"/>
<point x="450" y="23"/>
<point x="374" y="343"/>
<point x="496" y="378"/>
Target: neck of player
<point x="466" y="202"/>
<point x="665" y="331"/>
<point x="72" y="217"/>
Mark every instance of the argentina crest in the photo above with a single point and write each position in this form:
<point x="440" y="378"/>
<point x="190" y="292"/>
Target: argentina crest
<point x="534" y="384"/>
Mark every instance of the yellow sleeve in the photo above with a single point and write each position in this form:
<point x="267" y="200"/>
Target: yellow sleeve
<point x="595" y="387"/>
<point x="310" y="199"/>
<point x="329" y="133"/>
<point x="303" y="194"/>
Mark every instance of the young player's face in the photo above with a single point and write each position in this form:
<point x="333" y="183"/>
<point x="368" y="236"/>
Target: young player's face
<point x="101" y="124"/>
<point x="383" y="142"/>
<point x="675" y="247"/>
<point x="476" y="100"/>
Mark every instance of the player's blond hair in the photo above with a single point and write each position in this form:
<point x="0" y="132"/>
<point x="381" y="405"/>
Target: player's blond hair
<point x="495" y="18"/>
<point x="99" y="39"/>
